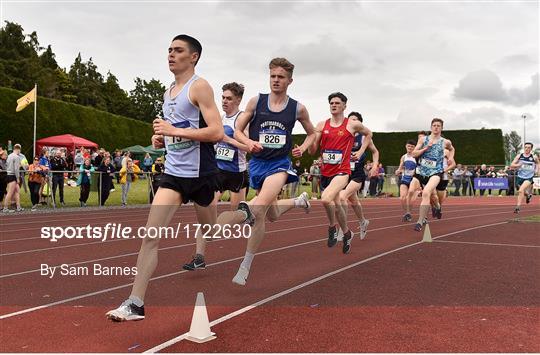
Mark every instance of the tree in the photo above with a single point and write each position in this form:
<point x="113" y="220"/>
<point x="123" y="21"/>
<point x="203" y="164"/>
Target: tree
<point x="146" y="99"/>
<point x="116" y="99"/>
<point x="512" y="145"/>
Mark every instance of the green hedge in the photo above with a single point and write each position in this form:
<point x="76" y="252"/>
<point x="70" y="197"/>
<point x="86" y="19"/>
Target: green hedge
<point x="56" y="117"/>
<point x="473" y="146"/>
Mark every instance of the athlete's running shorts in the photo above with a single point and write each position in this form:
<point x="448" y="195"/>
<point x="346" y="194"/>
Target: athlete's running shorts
<point x="424" y="179"/>
<point x="520" y="181"/>
<point x="326" y="180"/>
<point x="200" y="190"/>
<point x="260" y="169"/>
<point x="230" y="181"/>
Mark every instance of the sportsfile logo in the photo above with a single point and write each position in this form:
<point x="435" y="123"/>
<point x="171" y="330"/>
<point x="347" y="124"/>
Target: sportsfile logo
<point x="112" y="231"/>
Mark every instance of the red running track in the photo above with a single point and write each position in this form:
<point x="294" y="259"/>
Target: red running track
<point x="486" y="294"/>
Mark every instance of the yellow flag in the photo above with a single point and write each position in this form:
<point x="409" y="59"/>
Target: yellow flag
<point x="26" y="100"/>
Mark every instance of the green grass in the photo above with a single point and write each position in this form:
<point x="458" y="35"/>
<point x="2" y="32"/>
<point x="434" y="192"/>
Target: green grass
<point x="535" y="218"/>
<point x="139" y="191"/>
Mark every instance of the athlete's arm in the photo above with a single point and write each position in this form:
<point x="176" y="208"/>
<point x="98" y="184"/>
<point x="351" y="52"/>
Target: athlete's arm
<point x="355" y="126"/>
<point x="515" y="164"/>
<point x="451" y="152"/>
<point x="241" y="123"/>
<point x="235" y="143"/>
<point x="303" y="118"/>
<point x="312" y="149"/>
<point x="418" y="150"/>
<point x="400" y="168"/>
<point x="537" y="160"/>
<point x="375" y="156"/>
<point x="202" y="96"/>
<point x="451" y="163"/>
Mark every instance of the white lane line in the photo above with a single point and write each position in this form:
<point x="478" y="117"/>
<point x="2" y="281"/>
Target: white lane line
<point x="28" y="310"/>
<point x="47" y="305"/>
<point x="304" y="284"/>
<point x="494" y="244"/>
<point x="179" y="246"/>
<point x="188" y="217"/>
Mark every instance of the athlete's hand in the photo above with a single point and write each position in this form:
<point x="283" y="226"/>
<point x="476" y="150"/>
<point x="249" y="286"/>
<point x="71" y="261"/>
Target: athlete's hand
<point x="355" y="157"/>
<point x="297" y="151"/>
<point x="157" y="141"/>
<point x="374" y="171"/>
<point x="253" y="146"/>
<point x="163" y="127"/>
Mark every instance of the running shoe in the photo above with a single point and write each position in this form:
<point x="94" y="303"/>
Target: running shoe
<point x="438" y="213"/>
<point x="407" y="217"/>
<point x="7" y="210"/>
<point x="528" y="198"/>
<point x="516" y="210"/>
<point x="127" y="311"/>
<point x="418" y="227"/>
<point x="196" y="263"/>
<point x="363" y="228"/>
<point x="250" y="218"/>
<point x="304" y="199"/>
<point x="340" y="234"/>
<point x="241" y="276"/>
<point x="20" y="209"/>
<point x="332" y="236"/>
<point x="347" y="238"/>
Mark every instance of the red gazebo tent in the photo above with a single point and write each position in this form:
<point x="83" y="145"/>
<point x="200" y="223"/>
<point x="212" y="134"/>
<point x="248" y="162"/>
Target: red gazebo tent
<point x="69" y="141"/>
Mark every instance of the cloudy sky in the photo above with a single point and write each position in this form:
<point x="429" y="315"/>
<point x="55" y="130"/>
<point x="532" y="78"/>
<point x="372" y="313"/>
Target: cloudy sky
<point x="473" y="63"/>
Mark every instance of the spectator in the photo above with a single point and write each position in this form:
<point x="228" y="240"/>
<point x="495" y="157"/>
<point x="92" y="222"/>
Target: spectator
<point x="380" y="180"/>
<point x="158" y="169"/>
<point x="501" y="174"/>
<point x="117" y="164"/>
<point x="107" y="174"/>
<point x="58" y="166"/>
<point x="457" y="176"/>
<point x="128" y="174"/>
<point x="46" y="167"/>
<point x="98" y="159"/>
<point x="466" y="181"/>
<point x="511" y="176"/>
<point x="482" y="173"/>
<point x="3" y="173"/>
<point x="491" y="174"/>
<point x="84" y="180"/>
<point x="70" y="165"/>
<point x="13" y="164"/>
<point x="294" y="185"/>
<point x="35" y="178"/>
<point x="79" y="160"/>
<point x="147" y="163"/>
<point x="314" y="177"/>
<point x="373" y="181"/>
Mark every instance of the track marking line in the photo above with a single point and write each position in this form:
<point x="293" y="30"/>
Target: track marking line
<point x="33" y="309"/>
<point x="494" y="244"/>
<point x="173" y="247"/>
<point x="304" y="284"/>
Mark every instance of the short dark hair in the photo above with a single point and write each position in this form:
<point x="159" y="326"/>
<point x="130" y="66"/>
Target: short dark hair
<point x="437" y="120"/>
<point x="356" y="114"/>
<point x="529" y="144"/>
<point x="282" y="63"/>
<point x="193" y="44"/>
<point x="339" y="95"/>
<point x="411" y="142"/>
<point x="235" y="88"/>
<point x="424" y="133"/>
